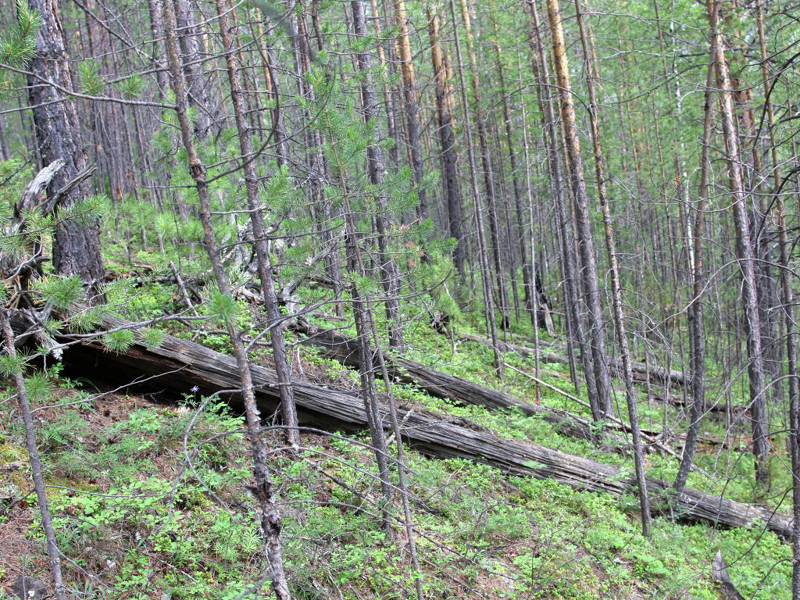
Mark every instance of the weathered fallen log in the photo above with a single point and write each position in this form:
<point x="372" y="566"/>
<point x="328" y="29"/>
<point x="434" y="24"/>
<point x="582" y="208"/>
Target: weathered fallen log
<point x="184" y="365"/>
<point x="332" y="344"/>
<point x="641" y="371"/>
<point x="437" y="384"/>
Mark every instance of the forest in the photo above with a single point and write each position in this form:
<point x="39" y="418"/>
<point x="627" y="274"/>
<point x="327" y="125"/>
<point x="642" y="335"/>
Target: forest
<point x="399" y="299"/>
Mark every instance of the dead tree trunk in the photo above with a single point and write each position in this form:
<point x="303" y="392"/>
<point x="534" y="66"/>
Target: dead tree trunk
<point x="182" y="364"/>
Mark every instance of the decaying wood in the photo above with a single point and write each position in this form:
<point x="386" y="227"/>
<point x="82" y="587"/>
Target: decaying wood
<point x="440" y="385"/>
<point x="719" y="573"/>
<point x="184" y="365"/>
<point x="461" y="391"/>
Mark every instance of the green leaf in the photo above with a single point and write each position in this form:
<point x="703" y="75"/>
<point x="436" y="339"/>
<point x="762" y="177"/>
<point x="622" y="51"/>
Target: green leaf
<point x="91" y="80"/>
<point x="13" y="365"/>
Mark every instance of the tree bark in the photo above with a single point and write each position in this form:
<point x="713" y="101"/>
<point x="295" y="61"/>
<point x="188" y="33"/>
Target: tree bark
<point x="444" y="116"/>
<point x="76" y="246"/>
<point x="616" y="288"/>
<point x="486" y="164"/>
<point x="411" y="105"/>
<point x="483" y="252"/>
<point x="270" y="520"/>
<point x="260" y="237"/>
<point x="695" y="309"/>
<point x="744" y="252"/>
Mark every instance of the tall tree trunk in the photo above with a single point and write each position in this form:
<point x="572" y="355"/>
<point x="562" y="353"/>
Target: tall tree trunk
<point x="194" y="69"/>
<point x="76" y="245"/>
<point x="269" y="64"/>
<point x="390" y="276"/>
<point x="788" y="309"/>
<point x="260" y="237"/>
<point x="411" y="104"/>
<point x="486" y="164"/>
<point x="269" y="518"/>
<point x="388" y="98"/>
<point x="557" y="187"/>
<point x="616" y="287"/>
<point x="744" y="251"/>
<point x="315" y="156"/>
<point x="519" y="240"/>
<point x="444" y="116"/>
<point x="695" y="310"/>
<point x="483" y="252"/>
<point x="591" y="288"/>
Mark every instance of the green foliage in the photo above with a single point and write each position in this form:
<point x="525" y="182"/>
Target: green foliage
<point x="92" y="82"/>
<point x="152" y="338"/>
<point x="62" y="292"/>
<point x="13" y="365"/>
<point x="18" y="43"/>
<point x="223" y="307"/>
<point x="132" y="87"/>
<point x="119" y="341"/>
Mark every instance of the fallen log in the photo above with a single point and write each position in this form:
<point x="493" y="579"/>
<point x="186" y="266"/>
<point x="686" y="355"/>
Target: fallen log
<point x="343" y="349"/>
<point x="185" y="366"/>
<point x="641" y="371"/>
<point x="332" y="344"/>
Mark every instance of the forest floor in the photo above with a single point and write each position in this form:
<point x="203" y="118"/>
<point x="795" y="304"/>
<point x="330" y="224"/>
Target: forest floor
<point x="150" y="497"/>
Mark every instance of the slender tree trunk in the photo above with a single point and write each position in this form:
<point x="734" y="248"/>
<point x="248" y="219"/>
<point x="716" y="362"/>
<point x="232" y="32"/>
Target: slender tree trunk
<point x="788" y="310"/>
<point x="199" y="85"/>
<point x="531" y="231"/>
<point x="520" y="238"/>
<point x="376" y="170"/>
<point x="486" y="164"/>
<point x="616" y="288"/>
<point x="486" y="276"/>
<point x="269" y="518"/>
<point x="260" y="241"/>
<point x="411" y="105"/>
<point x="696" y="328"/>
<point x="591" y="288"/>
<point x="4" y="153"/>
<point x="315" y="156"/>
<point x="35" y="461"/>
<point x="557" y="187"/>
<point x="76" y="245"/>
<point x="269" y="64"/>
<point x="444" y="115"/>
<point x="744" y="252"/>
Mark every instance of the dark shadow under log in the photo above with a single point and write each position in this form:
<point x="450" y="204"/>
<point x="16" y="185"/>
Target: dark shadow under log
<point x="182" y="365"/>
